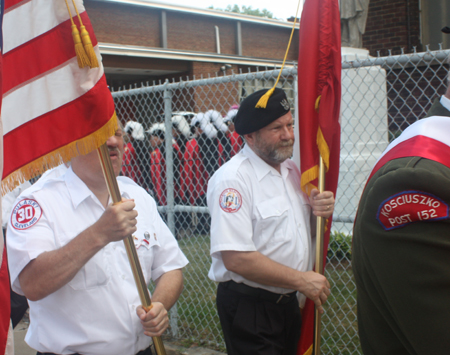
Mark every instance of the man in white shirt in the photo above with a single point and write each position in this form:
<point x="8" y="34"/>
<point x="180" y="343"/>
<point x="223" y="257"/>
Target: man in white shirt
<point x="261" y="236"/>
<point x="67" y="257"/>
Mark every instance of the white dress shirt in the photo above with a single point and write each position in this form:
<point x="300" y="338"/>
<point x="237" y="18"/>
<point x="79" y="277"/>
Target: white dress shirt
<point x="95" y="313"/>
<point x="255" y="208"/>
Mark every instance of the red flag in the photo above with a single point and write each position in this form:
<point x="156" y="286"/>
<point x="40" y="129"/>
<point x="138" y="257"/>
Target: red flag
<point x="52" y="109"/>
<point x="319" y="98"/>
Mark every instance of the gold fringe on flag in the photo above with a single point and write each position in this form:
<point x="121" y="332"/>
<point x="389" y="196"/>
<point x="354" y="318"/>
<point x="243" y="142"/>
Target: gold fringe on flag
<point x="83" y="60"/>
<point x="262" y="103"/>
<point x="88" y="47"/>
<point x="61" y="155"/>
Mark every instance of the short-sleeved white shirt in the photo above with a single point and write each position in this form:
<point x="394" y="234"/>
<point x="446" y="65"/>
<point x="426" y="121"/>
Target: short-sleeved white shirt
<point x="255" y="208"/>
<point x="95" y="313"/>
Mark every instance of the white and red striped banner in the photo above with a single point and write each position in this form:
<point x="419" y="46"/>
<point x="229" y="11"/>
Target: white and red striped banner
<point x="52" y="110"/>
<point x="427" y="138"/>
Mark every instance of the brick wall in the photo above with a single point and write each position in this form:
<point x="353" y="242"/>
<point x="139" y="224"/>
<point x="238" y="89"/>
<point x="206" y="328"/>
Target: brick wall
<point x="197" y="33"/>
<point x="268" y="42"/>
<point x="117" y="23"/>
<point x="392" y="24"/>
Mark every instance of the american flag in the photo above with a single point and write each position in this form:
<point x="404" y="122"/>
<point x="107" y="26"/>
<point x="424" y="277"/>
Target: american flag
<point x="52" y="110"/>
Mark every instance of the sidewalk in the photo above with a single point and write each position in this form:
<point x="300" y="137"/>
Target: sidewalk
<point x="21" y="348"/>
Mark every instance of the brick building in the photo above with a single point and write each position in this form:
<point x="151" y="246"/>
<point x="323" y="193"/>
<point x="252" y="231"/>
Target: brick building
<point x="407" y="24"/>
<point x="144" y="40"/>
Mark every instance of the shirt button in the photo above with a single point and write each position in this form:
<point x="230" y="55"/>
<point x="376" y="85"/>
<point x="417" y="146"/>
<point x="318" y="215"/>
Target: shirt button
<point x="123" y="277"/>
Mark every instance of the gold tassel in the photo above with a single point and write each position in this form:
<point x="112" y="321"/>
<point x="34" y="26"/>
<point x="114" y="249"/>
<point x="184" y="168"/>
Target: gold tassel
<point x="262" y="103"/>
<point x="89" y="48"/>
<point x="83" y="60"/>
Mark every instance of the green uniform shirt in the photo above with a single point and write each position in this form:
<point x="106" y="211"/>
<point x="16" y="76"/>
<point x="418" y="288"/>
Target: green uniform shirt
<point x="402" y="274"/>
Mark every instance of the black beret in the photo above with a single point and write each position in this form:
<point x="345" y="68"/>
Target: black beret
<point x="249" y="119"/>
<point x="446" y="29"/>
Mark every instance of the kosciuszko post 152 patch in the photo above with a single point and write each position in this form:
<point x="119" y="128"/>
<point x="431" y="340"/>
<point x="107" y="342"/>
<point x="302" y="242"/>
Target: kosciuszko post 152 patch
<point x="409" y="207"/>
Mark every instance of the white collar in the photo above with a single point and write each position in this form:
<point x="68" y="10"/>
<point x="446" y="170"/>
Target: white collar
<point x="261" y="167"/>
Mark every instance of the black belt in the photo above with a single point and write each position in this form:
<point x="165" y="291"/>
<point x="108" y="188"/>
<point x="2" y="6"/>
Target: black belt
<point x="147" y="351"/>
<point x="260" y="293"/>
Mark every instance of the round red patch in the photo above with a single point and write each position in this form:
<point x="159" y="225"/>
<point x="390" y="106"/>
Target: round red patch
<point x="230" y="200"/>
<point x="25" y="214"/>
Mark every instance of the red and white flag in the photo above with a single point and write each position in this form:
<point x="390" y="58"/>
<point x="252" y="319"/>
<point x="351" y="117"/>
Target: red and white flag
<point x="52" y="109"/>
<point x="5" y="308"/>
<point x="319" y="98"/>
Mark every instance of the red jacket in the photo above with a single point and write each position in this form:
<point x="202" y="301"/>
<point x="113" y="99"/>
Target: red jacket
<point x="195" y="176"/>
<point x="130" y="167"/>
<point x="158" y="174"/>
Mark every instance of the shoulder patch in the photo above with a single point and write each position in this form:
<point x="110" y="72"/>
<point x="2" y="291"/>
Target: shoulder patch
<point x="230" y="200"/>
<point x="25" y="214"/>
<point x="411" y="206"/>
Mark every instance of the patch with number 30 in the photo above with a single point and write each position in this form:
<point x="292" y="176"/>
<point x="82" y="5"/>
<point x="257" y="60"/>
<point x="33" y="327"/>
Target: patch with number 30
<point x="408" y="207"/>
<point x="25" y="214"/>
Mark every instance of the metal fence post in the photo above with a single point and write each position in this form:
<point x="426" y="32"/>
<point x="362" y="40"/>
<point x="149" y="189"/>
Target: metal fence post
<point x="170" y="186"/>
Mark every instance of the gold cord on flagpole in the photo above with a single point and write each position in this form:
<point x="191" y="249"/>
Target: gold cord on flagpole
<point x="82" y="58"/>
<point x="320" y="229"/>
<point x="262" y="103"/>
<point x="133" y="258"/>
<point x="88" y="47"/>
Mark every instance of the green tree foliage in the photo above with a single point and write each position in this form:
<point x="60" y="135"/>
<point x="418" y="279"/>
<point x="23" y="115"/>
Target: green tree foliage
<point x="246" y="10"/>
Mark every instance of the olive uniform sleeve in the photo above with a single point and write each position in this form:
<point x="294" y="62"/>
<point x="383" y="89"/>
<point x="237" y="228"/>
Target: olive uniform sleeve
<point x="401" y="259"/>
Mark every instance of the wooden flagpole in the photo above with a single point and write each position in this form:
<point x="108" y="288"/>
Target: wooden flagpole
<point x="133" y="258"/>
<point x="320" y="229"/>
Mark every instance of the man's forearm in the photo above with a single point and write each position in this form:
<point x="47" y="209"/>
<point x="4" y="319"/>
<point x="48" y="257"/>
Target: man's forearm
<point x="52" y="270"/>
<point x="168" y="288"/>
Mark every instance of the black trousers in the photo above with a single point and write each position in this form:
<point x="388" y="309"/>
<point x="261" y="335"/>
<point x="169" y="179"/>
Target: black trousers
<point x="254" y="326"/>
<point x="147" y="351"/>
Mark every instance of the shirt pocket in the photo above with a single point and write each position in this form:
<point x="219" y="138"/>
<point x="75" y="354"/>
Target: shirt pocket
<point x="95" y="273"/>
<point x="147" y="244"/>
<point x="273" y="222"/>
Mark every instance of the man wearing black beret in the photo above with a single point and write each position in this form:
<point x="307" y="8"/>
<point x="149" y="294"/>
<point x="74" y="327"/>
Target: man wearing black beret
<point x="401" y="243"/>
<point x="261" y="237"/>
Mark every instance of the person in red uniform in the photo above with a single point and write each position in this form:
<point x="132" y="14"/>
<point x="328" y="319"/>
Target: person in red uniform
<point x="140" y="143"/>
<point x="130" y="166"/>
<point x="158" y="164"/>
<point x="202" y="158"/>
<point x="235" y="139"/>
<point x="181" y="131"/>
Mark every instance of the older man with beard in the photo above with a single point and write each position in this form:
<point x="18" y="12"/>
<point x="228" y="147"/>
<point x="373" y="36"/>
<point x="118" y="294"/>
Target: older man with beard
<point x="67" y="257"/>
<point x="262" y="242"/>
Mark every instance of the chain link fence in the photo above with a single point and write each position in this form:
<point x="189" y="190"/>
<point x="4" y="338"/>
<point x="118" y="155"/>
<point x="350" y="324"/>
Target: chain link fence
<point x="180" y="133"/>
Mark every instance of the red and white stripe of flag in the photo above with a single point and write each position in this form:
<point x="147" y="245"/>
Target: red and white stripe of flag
<point x="48" y="101"/>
